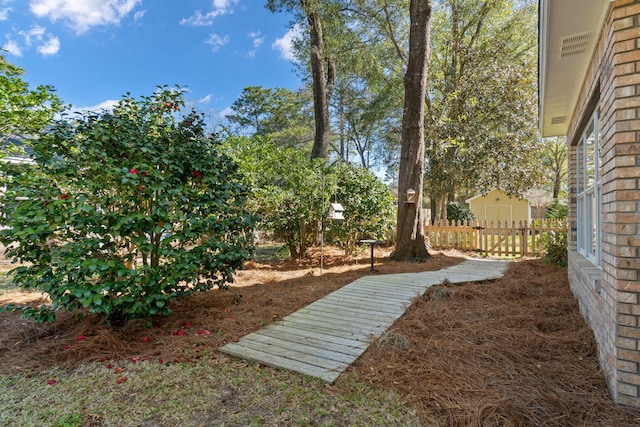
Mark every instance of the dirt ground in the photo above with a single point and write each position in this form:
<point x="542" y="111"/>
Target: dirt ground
<point x="509" y="352"/>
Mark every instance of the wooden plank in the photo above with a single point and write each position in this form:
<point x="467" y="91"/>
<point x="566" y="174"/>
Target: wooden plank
<point x="322" y="336"/>
<point x="376" y="294"/>
<point x="353" y="335"/>
<point x="328" y="375"/>
<point x="341" y="324"/>
<point x="378" y="307"/>
<point x="311" y="342"/>
<point x="381" y="305"/>
<point x="342" y="312"/>
<point x="365" y="313"/>
<point x="336" y="317"/>
<point x="413" y="279"/>
<point x="392" y="307"/>
<point x="404" y="283"/>
<point x="291" y="354"/>
<point x="313" y="355"/>
<point x="379" y="292"/>
<point x="309" y="319"/>
<point x="374" y="306"/>
<point x="400" y="284"/>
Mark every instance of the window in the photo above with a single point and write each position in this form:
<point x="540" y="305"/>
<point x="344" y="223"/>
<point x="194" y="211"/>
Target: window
<point x="588" y="189"/>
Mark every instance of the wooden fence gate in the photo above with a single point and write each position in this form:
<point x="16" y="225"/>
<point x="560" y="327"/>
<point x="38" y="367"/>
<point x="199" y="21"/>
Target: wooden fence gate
<point x="501" y="238"/>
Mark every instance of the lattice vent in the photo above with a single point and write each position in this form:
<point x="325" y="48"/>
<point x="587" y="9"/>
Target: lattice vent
<point x="575" y="44"/>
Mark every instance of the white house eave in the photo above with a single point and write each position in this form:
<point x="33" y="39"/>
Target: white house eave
<point x="568" y="33"/>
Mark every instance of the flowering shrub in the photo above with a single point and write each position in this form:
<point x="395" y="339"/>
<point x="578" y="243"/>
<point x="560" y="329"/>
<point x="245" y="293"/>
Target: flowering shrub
<point x="126" y="211"/>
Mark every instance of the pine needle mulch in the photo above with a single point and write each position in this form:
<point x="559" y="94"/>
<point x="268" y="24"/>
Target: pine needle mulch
<point x="513" y="352"/>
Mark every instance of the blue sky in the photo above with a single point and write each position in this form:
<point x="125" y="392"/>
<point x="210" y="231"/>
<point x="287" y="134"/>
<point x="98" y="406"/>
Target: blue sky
<point x="94" y="51"/>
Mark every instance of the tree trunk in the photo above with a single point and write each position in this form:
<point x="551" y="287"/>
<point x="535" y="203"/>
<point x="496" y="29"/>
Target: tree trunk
<point x="556" y="184"/>
<point x="322" y="87"/>
<point x="410" y="244"/>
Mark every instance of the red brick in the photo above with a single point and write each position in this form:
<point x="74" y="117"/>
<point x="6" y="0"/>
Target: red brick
<point x="627" y="195"/>
<point x="624" y="161"/>
<point x="631" y="79"/>
<point x="625" y="251"/>
<point x="627" y="263"/>
<point x="625" y="398"/>
<point x="623" y="12"/>
<point x="623" y="23"/>
<point x="630" y="172"/>
<point x="628" y="114"/>
<point x="627" y="284"/>
<point x="624" y="45"/>
<point x="630" y="367"/>
<point x="628" y="378"/>
<point x="631" y="321"/>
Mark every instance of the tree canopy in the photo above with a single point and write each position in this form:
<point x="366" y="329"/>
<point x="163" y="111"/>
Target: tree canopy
<point x="480" y="115"/>
<point x="24" y="112"/>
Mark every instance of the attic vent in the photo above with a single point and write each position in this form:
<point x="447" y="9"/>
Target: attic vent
<point x="558" y="120"/>
<point x="575" y="44"/>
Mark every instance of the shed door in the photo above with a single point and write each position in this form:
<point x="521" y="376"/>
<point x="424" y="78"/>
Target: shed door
<point x="497" y="213"/>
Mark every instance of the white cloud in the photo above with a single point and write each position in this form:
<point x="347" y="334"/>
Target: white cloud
<point x="35" y="33"/>
<point x="220" y="7"/>
<point x="13" y="48"/>
<point x="107" y="105"/>
<point x="4" y="9"/>
<point x="50" y="47"/>
<point x="205" y="100"/>
<point x="257" y="40"/>
<point x="139" y="15"/>
<point x="84" y="14"/>
<point x="45" y="43"/>
<point x="285" y="44"/>
<point x="4" y="13"/>
<point x="217" y="42"/>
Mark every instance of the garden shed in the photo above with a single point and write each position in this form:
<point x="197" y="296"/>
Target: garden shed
<point x="497" y="205"/>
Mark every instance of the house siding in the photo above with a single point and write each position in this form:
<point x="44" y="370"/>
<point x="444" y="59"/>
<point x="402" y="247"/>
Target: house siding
<point x="498" y="206"/>
<point x="609" y="295"/>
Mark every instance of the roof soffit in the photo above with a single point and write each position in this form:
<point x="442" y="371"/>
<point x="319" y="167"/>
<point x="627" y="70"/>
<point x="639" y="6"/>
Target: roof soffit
<point x="569" y="31"/>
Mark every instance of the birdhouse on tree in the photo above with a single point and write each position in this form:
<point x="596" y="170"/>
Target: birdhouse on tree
<point x="336" y="211"/>
<point x="411" y="196"/>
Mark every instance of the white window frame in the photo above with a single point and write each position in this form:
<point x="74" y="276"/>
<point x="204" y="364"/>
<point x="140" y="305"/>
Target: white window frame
<point x="588" y="186"/>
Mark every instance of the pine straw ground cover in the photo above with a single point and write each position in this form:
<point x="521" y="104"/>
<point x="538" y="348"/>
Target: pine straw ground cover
<point x="510" y="352"/>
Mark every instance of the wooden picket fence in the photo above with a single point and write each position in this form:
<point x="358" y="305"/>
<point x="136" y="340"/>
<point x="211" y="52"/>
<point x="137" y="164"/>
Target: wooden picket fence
<point x="495" y="239"/>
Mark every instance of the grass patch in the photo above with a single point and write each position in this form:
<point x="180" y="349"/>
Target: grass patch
<point x="271" y="252"/>
<point x="216" y="391"/>
<point x="5" y="284"/>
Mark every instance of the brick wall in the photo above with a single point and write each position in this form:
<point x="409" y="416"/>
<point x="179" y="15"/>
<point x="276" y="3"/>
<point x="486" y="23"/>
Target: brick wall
<point x="610" y="296"/>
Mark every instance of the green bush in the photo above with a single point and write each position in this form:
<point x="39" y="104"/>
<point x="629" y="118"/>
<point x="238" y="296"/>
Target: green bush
<point x="126" y="211"/>
<point x="286" y="193"/>
<point x="368" y="205"/>
<point x="556" y="210"/>
<point x="459" y="212"/>
<point x="556" y="247"/>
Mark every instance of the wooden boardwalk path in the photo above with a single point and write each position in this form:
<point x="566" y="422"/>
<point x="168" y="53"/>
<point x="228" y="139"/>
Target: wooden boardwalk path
<point x="325" y="337"/>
